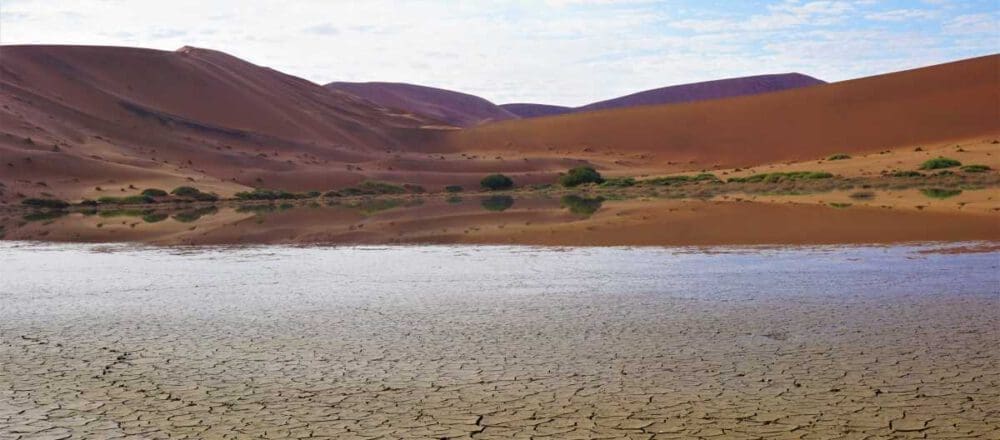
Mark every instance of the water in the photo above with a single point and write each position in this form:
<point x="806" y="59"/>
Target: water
<point x="508" y="342"/>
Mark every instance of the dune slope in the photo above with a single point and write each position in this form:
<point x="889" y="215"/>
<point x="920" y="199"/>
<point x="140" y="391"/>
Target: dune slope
<point x="75" y="118"/>
<point x="938" y="103"/>
<point x="455" y="108"/>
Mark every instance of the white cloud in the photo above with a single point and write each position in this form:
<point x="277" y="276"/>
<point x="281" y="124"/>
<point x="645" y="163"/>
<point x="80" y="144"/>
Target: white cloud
<point x="902" y="15"/>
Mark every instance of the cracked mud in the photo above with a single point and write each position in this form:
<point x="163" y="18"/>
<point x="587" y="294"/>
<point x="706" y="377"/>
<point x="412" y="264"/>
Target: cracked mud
<point x="491" y="343"/>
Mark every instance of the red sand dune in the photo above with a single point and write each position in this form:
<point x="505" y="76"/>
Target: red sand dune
<point x="455" y="108"/>
<point x="73" y="118"/>
<point x="939" y="103"/>
<point x="702" y="91"/>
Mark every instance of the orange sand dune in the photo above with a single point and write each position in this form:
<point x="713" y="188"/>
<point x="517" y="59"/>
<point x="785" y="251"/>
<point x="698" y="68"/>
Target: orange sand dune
<point x="950" y="101"/>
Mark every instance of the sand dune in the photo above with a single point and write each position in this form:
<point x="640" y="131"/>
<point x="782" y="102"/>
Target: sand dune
<point x="702" y="91"/>
<point x="83" y="122"/>
<point x="950" y="101"/>
<point x="455" y="108"/>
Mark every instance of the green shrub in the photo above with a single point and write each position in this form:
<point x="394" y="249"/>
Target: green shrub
<point x="497" y="203"/>
<point x="369" y="188"/>
<point x="840" y="205"/>
<point x="268" y="194"/>
<point x="495" y="182"/>
<point x="840" y="156"/>
<point x="906" y="174"/>
<point x="940" y="193"/>
<point x="185" y="191"/>
<point x="581" y="205"/>
<point x="862" y="195"/>
<point x="45" y="203"/>
<point x="671" y="180"/>
<point x="154" y="192"/>
<point x="194" y="193"/>
<point x="782" y="177"/>
<point x="127" y="200"/>
<point x="940" y="162"/>
<point x="453" y="188"/>
<point x="976" y="168"/>
<point x="579" y="176"/>
<point x="618" y="182"/>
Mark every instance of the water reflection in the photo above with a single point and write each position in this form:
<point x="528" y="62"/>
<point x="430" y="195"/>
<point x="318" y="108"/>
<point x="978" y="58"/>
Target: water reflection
<point x="539" y="218"/>
<point x="497" y="203"/>
<point x="584" y="206"/>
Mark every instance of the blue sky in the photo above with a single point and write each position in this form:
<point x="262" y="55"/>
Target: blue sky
<point x="566" y="52"/>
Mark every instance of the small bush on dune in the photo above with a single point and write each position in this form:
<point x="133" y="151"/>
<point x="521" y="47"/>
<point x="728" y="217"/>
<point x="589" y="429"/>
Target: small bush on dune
<point x="939" y="163"/>
<point x="671" y="180"/>
<point x="268" y="194"/>
<point x="782" y="177"/>
<point x="185" y="191"/>
<point x="453" y="188"/>
<point x="127" y="200"/>
<point x="45" y="203"/>
<point x="154" y="192"/>
<point x="839" y="157"/>
<point x="194" y="193"/>
<point x="372" y="188"/>
<point x="495" y="182"/>
<point x="976" y="168"/>
<point x="579" y="176"/>
<point x="618" y="182"/>
<point x="906" y="174"/>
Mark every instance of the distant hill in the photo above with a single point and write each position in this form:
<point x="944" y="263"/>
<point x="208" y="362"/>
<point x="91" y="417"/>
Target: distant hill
<point x="454" y="108"/>
<point x="529" y="110"/>
<point x="719" y="89"/>
<point x="723" y="88"/>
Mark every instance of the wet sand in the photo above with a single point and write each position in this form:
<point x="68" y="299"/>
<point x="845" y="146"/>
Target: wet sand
<point x="497" y="343"/>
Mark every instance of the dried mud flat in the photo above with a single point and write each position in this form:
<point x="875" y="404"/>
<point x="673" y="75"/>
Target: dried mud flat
<point x="511" y="343"/>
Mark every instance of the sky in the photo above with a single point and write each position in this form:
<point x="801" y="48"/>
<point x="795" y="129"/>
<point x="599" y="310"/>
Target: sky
<point x="566" y="52"/>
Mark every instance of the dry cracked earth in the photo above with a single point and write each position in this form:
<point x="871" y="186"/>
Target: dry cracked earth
<point x="172" y="364"/>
